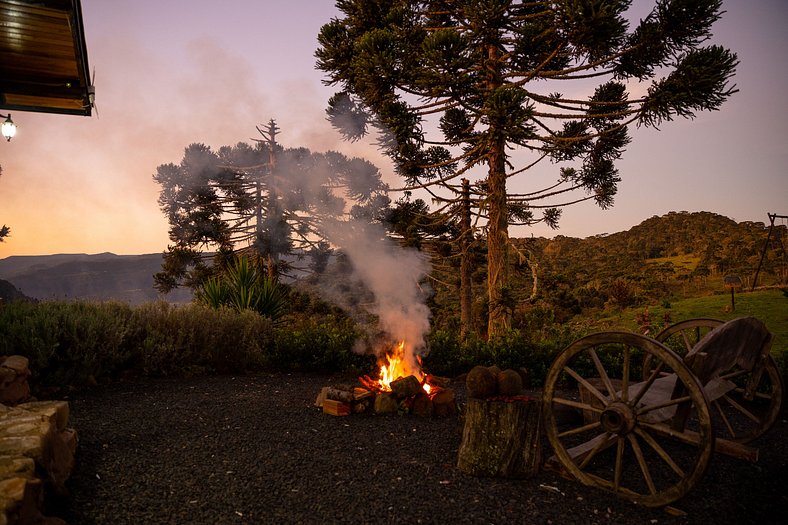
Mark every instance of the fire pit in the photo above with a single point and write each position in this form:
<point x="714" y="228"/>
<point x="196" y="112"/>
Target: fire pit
<point x="401" y="387"/>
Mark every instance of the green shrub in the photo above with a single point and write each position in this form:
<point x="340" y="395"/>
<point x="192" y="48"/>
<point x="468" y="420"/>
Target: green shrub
<point x="197" y="338"/>
<point x="67" y="343"/>
<point x="317" y="344"/>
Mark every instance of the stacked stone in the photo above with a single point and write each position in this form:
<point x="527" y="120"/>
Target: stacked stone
<point x="36" y="447"/>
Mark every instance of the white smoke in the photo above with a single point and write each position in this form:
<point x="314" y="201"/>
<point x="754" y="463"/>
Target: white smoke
<point x="392" y="274"/>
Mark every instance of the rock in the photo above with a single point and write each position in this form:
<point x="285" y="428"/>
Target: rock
<point x="386" y="403"/>
<point x="422" y="406"/>
<point x="14" y="387"/>
<point x="20" y="499"/>
<point x="509" y="383"/>
<point x="481" y="383"/>
<point x="18" y="364"/>
<point x="444" y="403"/>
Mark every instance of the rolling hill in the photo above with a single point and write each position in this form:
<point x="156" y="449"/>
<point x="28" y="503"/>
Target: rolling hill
<point x="100" y="277"/>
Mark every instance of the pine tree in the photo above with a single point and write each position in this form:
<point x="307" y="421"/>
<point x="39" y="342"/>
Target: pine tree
<point x="455" y="86"/>
<point x="263" y="201"/>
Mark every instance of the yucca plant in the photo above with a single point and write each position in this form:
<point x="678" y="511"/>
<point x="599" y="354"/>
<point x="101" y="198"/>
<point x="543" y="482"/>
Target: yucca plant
<point x="244" y="287"/>
<point x="213" y="293"/>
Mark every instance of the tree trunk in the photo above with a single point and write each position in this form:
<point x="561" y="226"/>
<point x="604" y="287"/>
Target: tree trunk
<point x="498" y="220"/>
<point x="501" y="439"/>
<point x="466" y="285"/>
<point x="497" y="243"/>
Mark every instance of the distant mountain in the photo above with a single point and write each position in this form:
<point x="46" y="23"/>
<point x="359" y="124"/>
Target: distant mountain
<point x="101" y="277"/>
<point x="9" y="293"/>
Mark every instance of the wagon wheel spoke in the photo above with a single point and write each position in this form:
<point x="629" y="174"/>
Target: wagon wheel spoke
<point x="733" y="374"/>
<point x="660" y="428"/>
<point x="619" y="461"/>
<point x="580" y="430"/>
<point x="725" y="419"/>
<point x="660" y="451"/>
<point x="642" y="463"/>
<point x="653" y="377"/>
<point x="602" y="444"/>
<point x="591" y="388"/>
<point x="602" y="373"/>
<point x="577" y="404"/>
<point x="687" y="344"/>
<point x="625" y="375"/>
<point x="668" y="403"/>
<point x="741" y="409"/>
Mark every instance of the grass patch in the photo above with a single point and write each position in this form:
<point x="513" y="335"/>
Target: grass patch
<point x="770" y="306"/>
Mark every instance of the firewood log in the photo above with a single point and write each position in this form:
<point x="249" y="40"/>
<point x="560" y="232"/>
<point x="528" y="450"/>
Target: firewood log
<point x="336" y="408"/>
<point x="406" y="386"/>
<point x="339" y="395"/>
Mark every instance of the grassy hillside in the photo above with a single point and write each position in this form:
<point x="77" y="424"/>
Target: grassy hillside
<point x="770" y="306"/>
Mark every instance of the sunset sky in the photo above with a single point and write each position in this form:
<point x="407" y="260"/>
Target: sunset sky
<point x="170" y="73"/>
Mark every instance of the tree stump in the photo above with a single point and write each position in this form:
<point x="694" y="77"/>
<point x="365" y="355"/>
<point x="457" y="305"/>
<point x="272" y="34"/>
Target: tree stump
<point x="501" y="439"/>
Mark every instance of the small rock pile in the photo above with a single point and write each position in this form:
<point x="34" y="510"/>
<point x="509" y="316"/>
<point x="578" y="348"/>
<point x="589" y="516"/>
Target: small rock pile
<point x="36" y="447"/>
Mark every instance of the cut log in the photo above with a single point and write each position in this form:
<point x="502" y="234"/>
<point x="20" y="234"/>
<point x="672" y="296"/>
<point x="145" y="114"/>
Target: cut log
<point x="360" y="393"/>
<point x="406" y="386"/>
<point x="321" y="397"/>
<point x="501" y="439"/>
<point x="339" y="395"/>
<point x="336" y="408"/>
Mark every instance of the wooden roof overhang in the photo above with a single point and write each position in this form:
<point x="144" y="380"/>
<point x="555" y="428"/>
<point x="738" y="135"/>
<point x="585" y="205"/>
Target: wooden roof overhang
<point x="43" y="57"/>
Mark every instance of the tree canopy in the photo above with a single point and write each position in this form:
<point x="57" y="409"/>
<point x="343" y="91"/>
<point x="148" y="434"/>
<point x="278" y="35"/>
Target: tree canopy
<point x="488" y="89"/>
<point x="262" y="200"/>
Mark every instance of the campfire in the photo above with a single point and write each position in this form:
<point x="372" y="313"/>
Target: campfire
<point x="401" y="386"/>
<point x="395" y="365"/>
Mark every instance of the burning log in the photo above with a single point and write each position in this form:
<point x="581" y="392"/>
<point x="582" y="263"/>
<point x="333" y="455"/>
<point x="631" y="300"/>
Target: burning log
<point x="501" y="439"/>
<point x="406" y="386"/>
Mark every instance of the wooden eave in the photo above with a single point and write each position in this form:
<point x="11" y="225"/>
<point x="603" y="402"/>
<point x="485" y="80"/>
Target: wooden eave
<point x="43" y="57"/>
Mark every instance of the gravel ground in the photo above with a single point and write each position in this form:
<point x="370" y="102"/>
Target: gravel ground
<point x="254" y="449"/>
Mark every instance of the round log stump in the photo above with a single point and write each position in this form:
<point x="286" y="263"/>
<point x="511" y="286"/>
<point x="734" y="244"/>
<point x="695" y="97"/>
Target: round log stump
<point x="501" y="439"/>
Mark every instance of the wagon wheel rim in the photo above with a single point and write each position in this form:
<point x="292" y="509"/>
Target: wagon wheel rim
<point x="756" y="415"/>
<point x="625" y="450"/>
<point x="737" y="417"/>
<point x="686" y="334"/>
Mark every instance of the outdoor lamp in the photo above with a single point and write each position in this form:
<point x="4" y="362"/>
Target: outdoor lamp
<point x="8" y="129"/>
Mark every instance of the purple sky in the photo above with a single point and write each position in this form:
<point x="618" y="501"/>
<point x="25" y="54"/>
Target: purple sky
<point x="172" y="73"/>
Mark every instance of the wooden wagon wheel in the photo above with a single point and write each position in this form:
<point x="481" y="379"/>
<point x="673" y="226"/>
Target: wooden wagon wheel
<point x="681" y="337"/>
<point x="649" y="442"/>
<point x="742" y="414"/>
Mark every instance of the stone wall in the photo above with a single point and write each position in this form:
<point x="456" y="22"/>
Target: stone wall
<point x="36" y="447"/>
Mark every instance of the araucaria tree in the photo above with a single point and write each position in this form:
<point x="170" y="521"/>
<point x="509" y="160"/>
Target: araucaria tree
<point x="461" y="84"/>
<point x="262" y="201"/>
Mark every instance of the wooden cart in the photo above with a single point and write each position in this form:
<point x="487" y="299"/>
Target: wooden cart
<point x="642" y="416"/>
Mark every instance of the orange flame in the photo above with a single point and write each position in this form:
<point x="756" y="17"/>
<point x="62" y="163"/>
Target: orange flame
<point x="394" y="365"/>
